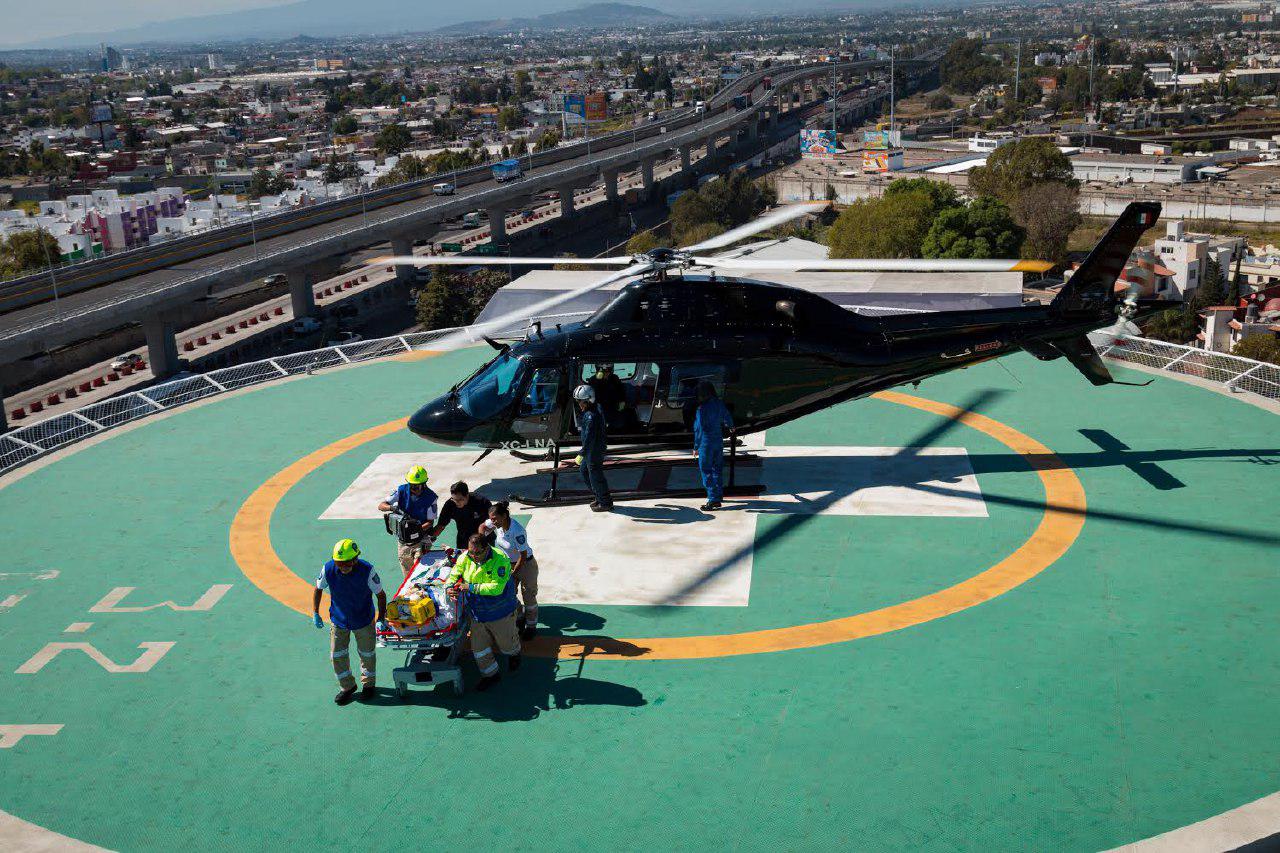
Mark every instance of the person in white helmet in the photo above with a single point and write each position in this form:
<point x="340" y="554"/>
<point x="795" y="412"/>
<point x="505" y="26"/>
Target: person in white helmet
<point x="591" y="460"/>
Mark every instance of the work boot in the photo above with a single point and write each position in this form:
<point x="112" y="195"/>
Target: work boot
<point x="513" y="663"/>
<point x="595" y="505"/>
<point x="368" y="692"/>
<point x="488" y="681"/>
<point x="710" y="506"/>
<point x="602" y="507"/>
<point x="345" y="695"/>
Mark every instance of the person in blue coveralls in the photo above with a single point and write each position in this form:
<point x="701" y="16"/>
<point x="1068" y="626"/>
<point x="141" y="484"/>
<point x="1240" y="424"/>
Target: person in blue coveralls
<point x="709" y="425"/>
<point x="351" y="583"/>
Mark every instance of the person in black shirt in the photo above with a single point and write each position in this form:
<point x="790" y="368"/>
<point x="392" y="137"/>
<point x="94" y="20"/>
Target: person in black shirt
<point x="465" y="510"/>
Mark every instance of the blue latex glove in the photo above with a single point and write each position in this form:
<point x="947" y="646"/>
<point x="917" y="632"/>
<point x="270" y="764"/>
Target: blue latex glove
<point x="316" y="620"/>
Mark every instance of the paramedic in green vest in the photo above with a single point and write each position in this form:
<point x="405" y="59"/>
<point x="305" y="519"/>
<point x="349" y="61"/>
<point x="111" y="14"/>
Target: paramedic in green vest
<point x="351" y="583"/>
<point x="482" y="577"/>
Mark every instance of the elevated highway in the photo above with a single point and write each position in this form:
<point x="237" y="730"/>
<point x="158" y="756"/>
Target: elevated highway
<point x="154" y="286"/>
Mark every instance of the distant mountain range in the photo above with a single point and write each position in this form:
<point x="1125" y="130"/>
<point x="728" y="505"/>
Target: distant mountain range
<point x="593" y="16"/>
<point x="334" y="18"/>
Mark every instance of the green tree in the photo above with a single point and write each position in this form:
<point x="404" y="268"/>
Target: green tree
<point x="1259" y="348"/>
<point x="964" y="68"/>
<point x="509" y="118"/>
<point x="268" y="183"/>
<point x="548" y="140"/>
<point x="645" y="241"/>
<point x="982" y="229"/>
<point x="892" y="226"/>
<point x="345" y="126"/>
<point x="699" y="232"/>
<point x="941" y="195"/>
<point x="1048" y="213"/>
<point x="393" y="139"/>
<point x="1210" y="292"/>
<point x="28" y="250"/>
<point x="337" y="170"/>
<point x="727" y="203"/>
<point x="1014" y="167"/>
<point x="435" y="307"/>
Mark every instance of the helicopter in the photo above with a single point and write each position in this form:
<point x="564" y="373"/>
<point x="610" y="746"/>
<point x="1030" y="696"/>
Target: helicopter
<point x="773" y="353"/>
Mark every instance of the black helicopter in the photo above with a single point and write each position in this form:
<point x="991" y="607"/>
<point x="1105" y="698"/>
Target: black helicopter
<point x="774" y="353"/>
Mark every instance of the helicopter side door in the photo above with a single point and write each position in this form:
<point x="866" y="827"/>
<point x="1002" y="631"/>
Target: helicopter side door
<point x="676" y="401"/>
<point x="540" y="412"/>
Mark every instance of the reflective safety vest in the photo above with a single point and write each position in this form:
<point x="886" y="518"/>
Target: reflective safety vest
<point x="491" y="595"/>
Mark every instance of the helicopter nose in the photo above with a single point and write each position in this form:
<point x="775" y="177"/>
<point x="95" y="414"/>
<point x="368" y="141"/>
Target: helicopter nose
<point x="441" y="421"/>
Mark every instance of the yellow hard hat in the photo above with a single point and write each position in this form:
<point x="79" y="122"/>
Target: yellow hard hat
<point x="417" y="475"/>
<point x="346" y="549"/>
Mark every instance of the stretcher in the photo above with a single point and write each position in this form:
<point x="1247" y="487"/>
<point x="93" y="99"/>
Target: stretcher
<point x="433" y="648"/>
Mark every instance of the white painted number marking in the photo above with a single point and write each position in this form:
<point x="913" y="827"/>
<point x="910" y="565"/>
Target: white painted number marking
<point x="111" y="601"/>
<point x="151" y="654"/>
<point x="11" y="733"/>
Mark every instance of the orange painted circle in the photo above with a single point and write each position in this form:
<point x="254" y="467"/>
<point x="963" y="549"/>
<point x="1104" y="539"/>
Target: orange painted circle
<point x="1061" y="523"/>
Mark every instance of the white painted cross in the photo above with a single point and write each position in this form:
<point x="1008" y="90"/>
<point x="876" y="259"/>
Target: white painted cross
<point x="666" y="551"/>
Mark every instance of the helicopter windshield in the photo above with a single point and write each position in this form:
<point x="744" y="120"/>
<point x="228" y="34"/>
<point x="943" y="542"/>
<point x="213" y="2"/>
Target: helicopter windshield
<point x="492" y="389"/>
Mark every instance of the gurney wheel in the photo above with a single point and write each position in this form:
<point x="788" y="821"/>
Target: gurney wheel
<point x="402" y="690"/>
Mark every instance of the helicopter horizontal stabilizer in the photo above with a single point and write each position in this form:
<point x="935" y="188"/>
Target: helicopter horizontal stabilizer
<point x="1092" y="286"/>
<point x="1084" y="358"/>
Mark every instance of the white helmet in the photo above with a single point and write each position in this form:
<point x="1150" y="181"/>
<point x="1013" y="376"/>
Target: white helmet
<point x="585" y="394"/>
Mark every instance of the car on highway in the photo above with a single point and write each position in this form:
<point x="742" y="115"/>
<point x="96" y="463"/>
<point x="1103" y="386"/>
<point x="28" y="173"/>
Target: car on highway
<point x="548" y="195"/>
<point x="305" y="326"/>
<point x="475" y="217"/>
<point x="443" y="189"/>
<point x="275" y="278"/>
<point x="133" y="361"/>
<point x="529" y="213"/>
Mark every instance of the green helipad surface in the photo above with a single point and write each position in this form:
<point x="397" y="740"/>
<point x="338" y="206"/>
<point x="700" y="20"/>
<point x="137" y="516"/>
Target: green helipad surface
<point x="1127" y="689"/>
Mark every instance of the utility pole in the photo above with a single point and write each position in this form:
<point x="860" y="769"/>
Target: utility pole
<point x="1017" y="71"/>
<point x="1092" y="103"/>
<point x="892" y="94"/>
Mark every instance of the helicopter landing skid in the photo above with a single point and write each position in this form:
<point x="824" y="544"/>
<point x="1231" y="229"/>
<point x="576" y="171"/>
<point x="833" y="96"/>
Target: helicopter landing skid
<point x="582" y="497"/>
<point x="748" y="460"/>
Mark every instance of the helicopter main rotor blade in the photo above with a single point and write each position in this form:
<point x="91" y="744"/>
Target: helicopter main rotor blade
<point x="473" y="334"/>
<point x="875" y="265"/>
<point x="772" y="219"/>
<point x="491" y="261"/>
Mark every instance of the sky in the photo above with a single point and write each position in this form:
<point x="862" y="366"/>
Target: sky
<point x="25" y="20"/>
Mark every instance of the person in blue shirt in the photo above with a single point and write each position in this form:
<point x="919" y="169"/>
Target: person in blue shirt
<point x="417" y="502"/>
<point x="594" y="444"/>
<point x="710" y="422"/>
<point x="351" y="583"/>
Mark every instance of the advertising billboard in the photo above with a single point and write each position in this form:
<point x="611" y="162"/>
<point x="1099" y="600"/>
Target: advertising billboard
<point x="875" y="139"/>
<point x="576" y="105"/>
<point x="100" y="113"/>
<point x="818" y="143"/>
<point x="597" y="106"/>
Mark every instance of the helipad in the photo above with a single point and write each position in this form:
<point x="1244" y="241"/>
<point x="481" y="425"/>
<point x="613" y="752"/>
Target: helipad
<point x="1002" y="611"/>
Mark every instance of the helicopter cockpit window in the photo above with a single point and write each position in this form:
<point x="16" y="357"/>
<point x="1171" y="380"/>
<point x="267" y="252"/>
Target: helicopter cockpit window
<point x="541" y="397"/>
<point x="685" y="378"/>
<point x="493" y="388"/>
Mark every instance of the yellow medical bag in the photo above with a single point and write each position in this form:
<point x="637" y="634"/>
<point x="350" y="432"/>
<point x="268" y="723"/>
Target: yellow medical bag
<point x="404" y="611"/>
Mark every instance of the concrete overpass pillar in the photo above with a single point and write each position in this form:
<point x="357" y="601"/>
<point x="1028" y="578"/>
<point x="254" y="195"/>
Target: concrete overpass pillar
<point x="611" y="186"/>
<point x="711" y="150"/>
<point x="497" y="225"/>
<point x="301" y="296"/>
<point x="646" y="175"/>
<point x="162" y="347"/>
<point x="566" y="201"/>
<point x="753" y="129"/>
<point x="686" y="158"/>
<point x="401" y="246"/>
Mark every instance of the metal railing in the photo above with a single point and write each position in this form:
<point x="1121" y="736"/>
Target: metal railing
<point x="24" y="444"/>
<point x="1232" y="371"/>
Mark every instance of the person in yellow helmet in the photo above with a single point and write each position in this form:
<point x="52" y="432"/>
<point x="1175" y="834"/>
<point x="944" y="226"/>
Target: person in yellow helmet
<point x="350" y="582"/>
<point x="419" y="504"/>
